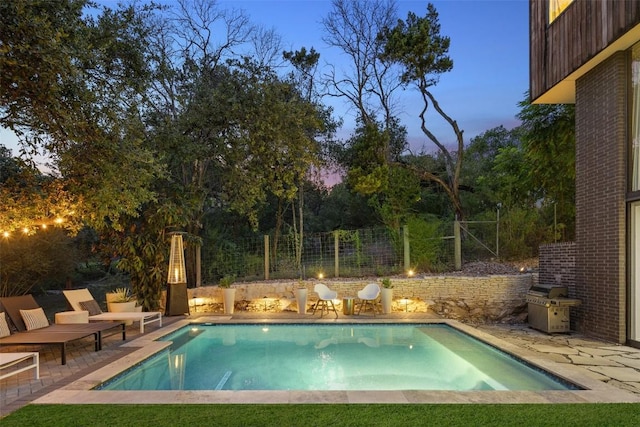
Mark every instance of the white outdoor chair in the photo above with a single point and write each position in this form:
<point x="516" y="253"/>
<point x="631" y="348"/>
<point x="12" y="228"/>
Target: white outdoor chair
<point x="368" y="296"/>
<point x="325" y="297"/>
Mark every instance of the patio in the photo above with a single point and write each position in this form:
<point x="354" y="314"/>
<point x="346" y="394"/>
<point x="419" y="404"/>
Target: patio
<point x="611" y="371"/>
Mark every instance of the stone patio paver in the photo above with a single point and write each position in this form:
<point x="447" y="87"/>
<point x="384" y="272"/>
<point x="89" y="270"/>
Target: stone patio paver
<point x="543" y="348"/>
<point x="617" y="373"/>
<point x="625" y="360"/>
<point x="591" y="361"/>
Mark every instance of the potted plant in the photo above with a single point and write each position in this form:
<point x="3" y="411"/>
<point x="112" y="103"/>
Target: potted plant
<point x="301" y="297"/>
<point x="386" y="295"/>
<point x="120" y="300"/>
<point x="229" y="293"/>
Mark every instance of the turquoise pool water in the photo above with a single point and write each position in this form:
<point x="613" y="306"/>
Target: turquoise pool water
<point x="331" y="357"/>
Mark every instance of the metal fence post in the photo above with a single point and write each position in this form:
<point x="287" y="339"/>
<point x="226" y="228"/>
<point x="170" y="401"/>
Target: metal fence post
<point x="457" y="245"/>
<point x="266" y="257"/>
<point x="336" y="253"/>
<point x="407" y="251"/>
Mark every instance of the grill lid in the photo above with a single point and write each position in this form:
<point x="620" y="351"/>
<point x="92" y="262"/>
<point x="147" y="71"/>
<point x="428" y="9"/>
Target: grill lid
<point x="549" y="291"/>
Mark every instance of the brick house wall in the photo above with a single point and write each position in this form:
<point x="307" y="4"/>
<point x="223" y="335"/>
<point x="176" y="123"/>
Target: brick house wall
<point x="600" y="199"/>
<point x="557" y="264"/>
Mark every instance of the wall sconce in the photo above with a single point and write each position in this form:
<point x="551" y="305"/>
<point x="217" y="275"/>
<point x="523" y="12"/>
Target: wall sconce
<point x="320" y="275"/>
<point x="177" y="298"/>
<point x="410" y="273"/>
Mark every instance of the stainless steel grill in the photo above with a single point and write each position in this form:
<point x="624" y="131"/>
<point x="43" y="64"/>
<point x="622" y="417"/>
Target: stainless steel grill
<point x="548" y="307"/>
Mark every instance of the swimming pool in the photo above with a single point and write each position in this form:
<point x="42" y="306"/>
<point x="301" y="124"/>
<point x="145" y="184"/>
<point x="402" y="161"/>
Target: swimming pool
<point x="331" y="357"/>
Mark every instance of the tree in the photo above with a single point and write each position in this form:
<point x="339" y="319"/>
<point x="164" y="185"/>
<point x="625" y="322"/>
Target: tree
<point x="416" y="45"/>
<point x="71" y="85"/>
<point x="481" y="179"/>
<point x="370" y="84"/>
<point x="548" y="137"/>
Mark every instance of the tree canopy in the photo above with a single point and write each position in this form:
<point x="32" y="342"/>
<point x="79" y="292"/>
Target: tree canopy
<point x="189" y="117"/>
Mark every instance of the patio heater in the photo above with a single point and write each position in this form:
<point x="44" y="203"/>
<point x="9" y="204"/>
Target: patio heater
<point x="177" y="299"/>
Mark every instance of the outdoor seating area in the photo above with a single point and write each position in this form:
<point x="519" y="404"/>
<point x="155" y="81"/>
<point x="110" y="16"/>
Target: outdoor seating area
<point x="369" y="296"/>
<point x="32" y="327"/>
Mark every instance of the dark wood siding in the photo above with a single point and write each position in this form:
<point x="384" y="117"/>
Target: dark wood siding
<point x="583" y="30"/>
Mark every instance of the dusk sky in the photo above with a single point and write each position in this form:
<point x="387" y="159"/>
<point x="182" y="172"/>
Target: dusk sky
<point x="489" y="48"/>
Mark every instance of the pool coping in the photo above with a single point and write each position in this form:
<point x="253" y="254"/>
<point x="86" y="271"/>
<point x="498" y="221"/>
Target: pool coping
<point x="81" y="391"/>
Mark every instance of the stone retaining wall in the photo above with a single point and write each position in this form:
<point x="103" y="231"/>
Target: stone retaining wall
<point x="477" y="299"/>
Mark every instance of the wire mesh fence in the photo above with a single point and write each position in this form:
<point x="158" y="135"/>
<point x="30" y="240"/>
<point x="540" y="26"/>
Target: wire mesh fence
<point x="345" y="253"/>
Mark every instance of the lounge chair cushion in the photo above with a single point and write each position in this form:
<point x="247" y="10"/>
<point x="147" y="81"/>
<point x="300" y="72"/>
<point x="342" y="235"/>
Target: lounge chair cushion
<point x="4" y="327"/>
<point x="34" y="319"/>
<point x="91" y="306"/>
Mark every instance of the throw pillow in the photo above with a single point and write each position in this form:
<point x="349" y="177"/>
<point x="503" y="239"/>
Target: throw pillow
<point x="34" y="319"/>
<point x="91" y="306"/>
<point x="4" y="327"/>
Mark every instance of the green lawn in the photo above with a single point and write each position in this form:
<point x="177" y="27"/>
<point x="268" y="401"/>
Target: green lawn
<point x="565" y="415"/>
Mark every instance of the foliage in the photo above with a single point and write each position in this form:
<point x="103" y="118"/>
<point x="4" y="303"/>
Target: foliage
<point x="122" y="295"/>
<point x="417" y="46"/>
<point x="31" y="200"/>
<point x="226" y="281"/>
<point x="427" y="246"/>
<point x="143" y="249"/>
<point x="548" y="136"/>
<point x="71" y="86"/>
<point x="154" y="122"/>
<point x="386" y="283"/>
<point x="392" y="190"/>
<point x="485" y="181"/>
<point x="522" y="231"/>
<point x="34" y="262"/>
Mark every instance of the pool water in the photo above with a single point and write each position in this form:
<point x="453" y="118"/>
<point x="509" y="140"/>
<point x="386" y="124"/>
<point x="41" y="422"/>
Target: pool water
<point x="331" y="357"/>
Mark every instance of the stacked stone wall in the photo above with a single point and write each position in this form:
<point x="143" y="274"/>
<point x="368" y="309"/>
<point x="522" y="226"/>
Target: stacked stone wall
<point x="475" y="299"/>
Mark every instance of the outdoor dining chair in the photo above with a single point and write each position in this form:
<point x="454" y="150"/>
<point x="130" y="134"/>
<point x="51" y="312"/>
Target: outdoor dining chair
<point x="368" y="296"/>
<point x="325" y="297"/>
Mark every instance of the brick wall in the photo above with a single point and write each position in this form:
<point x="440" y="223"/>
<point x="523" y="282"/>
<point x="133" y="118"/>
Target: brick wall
<point x="557" y="265"/>
<point x="600" y="199"/>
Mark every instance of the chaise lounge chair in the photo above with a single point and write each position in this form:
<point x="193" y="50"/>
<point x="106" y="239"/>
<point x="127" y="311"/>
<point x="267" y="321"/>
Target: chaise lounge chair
<point x="46" y="334"/>
<point x="82" y="300"/>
